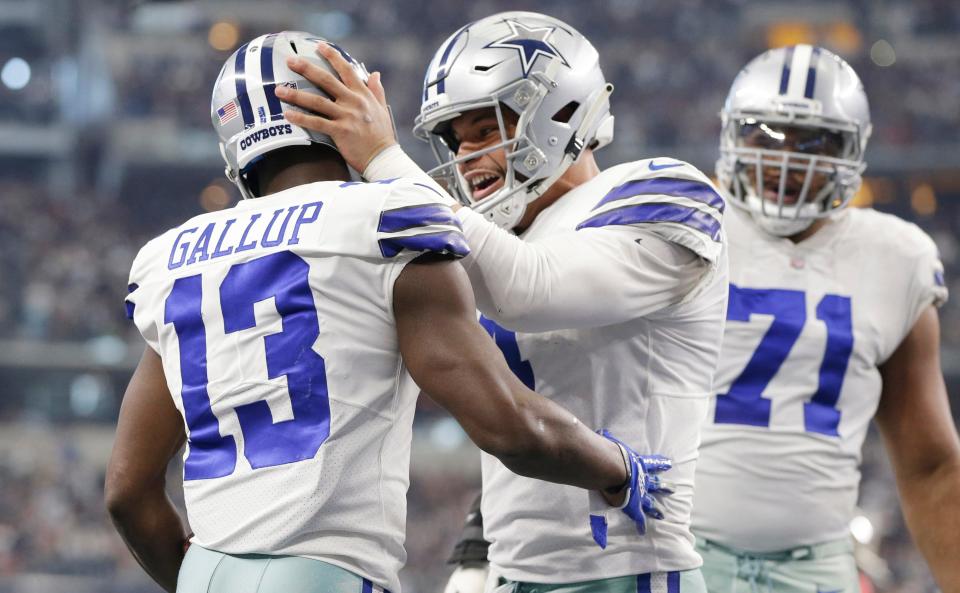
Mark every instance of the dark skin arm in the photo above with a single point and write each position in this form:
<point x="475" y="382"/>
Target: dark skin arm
<point x="921" y="438"/>
<point x="455" y="362"/>
<point x="149" y="433"/>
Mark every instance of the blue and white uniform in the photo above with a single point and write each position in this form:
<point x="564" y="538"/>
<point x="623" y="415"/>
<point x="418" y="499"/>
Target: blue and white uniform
<point x="798" y="383"/>
<point x="275" y="324"/>
<point x="611" y="304"/>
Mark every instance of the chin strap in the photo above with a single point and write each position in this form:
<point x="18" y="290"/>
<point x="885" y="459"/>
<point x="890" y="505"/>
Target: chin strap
<point x="235" y="177"/>
<point x="577" y="141"/>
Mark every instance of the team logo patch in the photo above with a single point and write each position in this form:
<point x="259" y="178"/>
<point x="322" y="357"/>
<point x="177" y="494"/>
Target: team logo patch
<point x="530" y="43"/>
<point x="227" y="112"/>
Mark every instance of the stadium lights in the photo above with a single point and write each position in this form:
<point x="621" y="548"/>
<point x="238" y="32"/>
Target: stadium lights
<point x="844" y="37"/>
<point x="882" y="54"/>
<point x="923" y="200"/>
<point x="790" y="33"/>
<point x="214" y="197"/>
<point x="864" y="197"/>
<point x="15" y="74"/>
<point x="223" y="36"/>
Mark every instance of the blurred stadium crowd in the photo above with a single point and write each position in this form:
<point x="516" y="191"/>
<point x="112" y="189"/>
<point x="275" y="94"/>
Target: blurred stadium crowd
<point x="106" y="141"/>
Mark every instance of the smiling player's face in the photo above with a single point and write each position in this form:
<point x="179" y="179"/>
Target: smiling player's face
<point x="475" y="131"/>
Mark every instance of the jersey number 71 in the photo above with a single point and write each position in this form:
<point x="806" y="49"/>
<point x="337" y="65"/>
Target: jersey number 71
<point x="744" y="402"/>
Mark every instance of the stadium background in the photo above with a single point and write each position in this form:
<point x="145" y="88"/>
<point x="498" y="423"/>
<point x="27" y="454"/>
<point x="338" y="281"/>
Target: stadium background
<point x="106" y="141"/>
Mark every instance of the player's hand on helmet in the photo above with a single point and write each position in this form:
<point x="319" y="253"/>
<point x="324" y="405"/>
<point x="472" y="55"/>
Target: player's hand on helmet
<point x="637" y="498"/>
<point x="357" y="116"/>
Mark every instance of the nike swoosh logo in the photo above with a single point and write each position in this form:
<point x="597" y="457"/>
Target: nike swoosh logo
<point x="655" y="167"/>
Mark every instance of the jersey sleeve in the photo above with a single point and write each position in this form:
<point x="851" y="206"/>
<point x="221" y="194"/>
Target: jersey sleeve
<point x="669" y="198"/>
<point x="575" y="280"/>
<point x="138" y="301"/>
<point x="414" y="218"/>
<point x="927" y="285"/>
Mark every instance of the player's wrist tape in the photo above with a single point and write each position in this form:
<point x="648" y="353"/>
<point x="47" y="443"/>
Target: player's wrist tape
<point x="387" y="162"/>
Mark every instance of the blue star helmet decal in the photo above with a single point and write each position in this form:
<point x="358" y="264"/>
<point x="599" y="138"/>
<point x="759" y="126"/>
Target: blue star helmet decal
<point x="530" y="43"/>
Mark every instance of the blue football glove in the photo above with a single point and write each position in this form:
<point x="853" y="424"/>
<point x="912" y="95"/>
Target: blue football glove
<point x="644" y="482"/>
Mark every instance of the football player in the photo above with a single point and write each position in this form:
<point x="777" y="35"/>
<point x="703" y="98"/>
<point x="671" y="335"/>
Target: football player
<point x="609" y="299"/>
<point x="832" y="321"/>
<point x="279" y="338"/>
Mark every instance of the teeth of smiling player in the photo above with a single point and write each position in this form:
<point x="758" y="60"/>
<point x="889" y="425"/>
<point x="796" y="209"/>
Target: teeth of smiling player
<point x="480" y="180"/>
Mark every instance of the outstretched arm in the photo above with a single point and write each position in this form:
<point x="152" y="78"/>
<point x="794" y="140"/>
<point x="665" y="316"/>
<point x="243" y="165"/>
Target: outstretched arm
<point x="921" y="438"/>
<point x="149" y="433"/>
<point x="575" y="279"/>
<point x="587" y="278"/>
<point x="456" y="363"/>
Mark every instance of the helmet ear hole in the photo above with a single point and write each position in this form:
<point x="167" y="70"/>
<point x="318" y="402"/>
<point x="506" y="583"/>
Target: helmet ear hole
<point x="564" y="114"/>
<point x="293" y="46"/>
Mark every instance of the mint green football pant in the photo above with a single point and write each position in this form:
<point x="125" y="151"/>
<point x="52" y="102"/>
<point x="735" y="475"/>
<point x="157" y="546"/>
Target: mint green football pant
<point x="681" y="581"/>
<point x="828" y="567"/>
<point x="208" y="571"/>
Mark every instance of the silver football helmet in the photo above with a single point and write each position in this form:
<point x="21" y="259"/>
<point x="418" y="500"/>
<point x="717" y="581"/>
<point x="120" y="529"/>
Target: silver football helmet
<point x="802" y="111"/>
<point x="245" y="110"/>
<point x="544" y="71"/>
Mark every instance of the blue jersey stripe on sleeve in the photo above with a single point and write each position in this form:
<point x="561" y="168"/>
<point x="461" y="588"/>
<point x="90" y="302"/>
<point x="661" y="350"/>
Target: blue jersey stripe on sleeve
<point x="130" y="305"/>
<point x="656" y="212"/>
<point x="408" y="217"/>
<point x="447" y="242"/>
<point x="665" y="186"/>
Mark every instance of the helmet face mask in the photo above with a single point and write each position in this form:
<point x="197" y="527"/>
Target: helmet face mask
<point x="534" y="66"/>
<point x="245" y="111"/>
<point x="791" y="153"/>
<point x="507" y="204"/>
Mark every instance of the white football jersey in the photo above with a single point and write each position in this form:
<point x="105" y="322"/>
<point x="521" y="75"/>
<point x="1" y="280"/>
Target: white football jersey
<point x="274" y="321"/>
<point x="807" y="326"/>
<point x="620" y="356"/>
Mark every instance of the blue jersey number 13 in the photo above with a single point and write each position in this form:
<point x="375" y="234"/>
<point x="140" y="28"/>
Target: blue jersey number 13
<point x="744" y="402"/>
<point x="282" y="276"/>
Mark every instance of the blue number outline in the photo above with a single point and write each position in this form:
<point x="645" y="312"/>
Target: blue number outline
<point x="820" y="413"/>
<point x="211" y="454"/>
<point x="744" y="402"/>
<point x="282" y="276"/>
